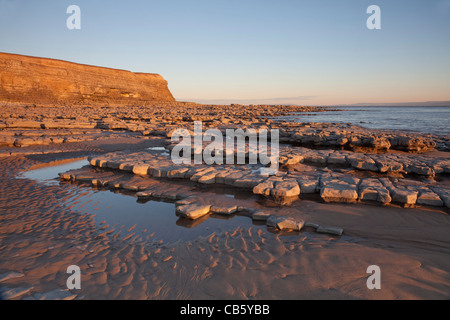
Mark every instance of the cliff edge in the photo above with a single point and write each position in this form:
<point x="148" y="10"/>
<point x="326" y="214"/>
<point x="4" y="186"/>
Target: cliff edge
<point x="42" y="80"/>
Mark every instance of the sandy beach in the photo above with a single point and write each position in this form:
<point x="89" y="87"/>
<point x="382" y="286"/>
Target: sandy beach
<point x="193" y="153"/>
<point x="40" y="235"/>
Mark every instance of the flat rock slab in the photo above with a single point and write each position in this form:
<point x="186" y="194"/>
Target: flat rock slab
<point x="312" y="225"/>
<point x="260" y="216"/>
<point x="185" y="201"/>
<point x="220" y="209"/>
<point x="444" y="195"/>
<point x="340" y="185"/>
<point x="144" y="194"/>
<point x="406" y="197"/>
<point x="339" y="193"/>
<point x="263" y="188"/>
<point x="278" y="188"/>
<point x="286" y="188"/>
<point x="333" y="231"/>
<point x="308" y="185"/>
<point x="430" y="199"/>
<point x="194" y="211"/>
<point x="140" y="170"/>
<point x="283" y="223"/>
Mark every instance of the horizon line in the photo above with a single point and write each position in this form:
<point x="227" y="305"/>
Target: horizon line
<point x="276" y="101"/>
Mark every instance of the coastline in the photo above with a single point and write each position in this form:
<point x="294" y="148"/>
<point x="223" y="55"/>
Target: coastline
<point x="40" y="236"/>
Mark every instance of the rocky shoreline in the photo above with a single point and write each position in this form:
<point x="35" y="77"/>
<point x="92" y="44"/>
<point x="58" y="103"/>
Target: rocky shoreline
<point x="25" y="125"/>
<point x="345" y="183"/>
<point x="333" y="185"/>
<point x="342" y="163"/>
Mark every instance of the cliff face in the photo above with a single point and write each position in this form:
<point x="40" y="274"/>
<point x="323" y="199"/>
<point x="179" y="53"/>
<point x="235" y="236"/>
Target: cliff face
<point x="42" y="80"/>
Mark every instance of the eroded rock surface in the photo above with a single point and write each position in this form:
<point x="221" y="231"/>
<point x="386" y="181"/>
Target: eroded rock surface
<point x="42" y="80"/>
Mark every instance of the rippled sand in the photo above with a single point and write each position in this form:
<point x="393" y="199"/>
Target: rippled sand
<point x="40" y="238"/>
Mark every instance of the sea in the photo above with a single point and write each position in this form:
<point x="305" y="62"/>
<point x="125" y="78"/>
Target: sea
<point x="434" y="120"/>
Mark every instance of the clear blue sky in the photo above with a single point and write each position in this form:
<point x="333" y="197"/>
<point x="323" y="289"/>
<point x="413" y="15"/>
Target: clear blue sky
<point x="315" y="52"/>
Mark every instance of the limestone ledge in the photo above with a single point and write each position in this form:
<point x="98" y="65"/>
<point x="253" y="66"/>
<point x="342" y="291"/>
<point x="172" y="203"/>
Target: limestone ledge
<point x="190" y="204"/>
<point x="161" y="119"/>
<point x="284" y="187"/>
<point x="289" y="157"/>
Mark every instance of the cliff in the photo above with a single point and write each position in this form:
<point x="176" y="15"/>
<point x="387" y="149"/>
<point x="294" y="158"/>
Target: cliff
<point x="42" y="80"/>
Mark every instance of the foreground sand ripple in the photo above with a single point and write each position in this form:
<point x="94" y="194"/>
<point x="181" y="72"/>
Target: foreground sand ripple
<point x="40" y="238"/>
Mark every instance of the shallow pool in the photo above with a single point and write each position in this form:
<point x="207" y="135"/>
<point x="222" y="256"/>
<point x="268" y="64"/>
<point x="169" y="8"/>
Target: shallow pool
<point x="120" y="211"/>
<point x="49" y="175"/>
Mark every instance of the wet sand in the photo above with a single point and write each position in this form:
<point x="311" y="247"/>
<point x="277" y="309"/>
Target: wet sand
<point x="40" y="238"/>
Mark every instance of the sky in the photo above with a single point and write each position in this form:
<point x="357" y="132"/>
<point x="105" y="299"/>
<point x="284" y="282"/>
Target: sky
<point x="315" y="52"/>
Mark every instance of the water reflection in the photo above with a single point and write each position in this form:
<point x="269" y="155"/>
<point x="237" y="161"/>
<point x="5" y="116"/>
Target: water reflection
<point x="118" y="211"/>
<point x="156" y="220"/>
<point x="49" y="175"/>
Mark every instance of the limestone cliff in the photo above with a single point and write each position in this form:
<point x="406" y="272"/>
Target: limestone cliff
<point x="42" y="80"/>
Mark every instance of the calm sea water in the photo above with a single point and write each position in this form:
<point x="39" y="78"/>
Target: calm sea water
<point x="434" y="120"/>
